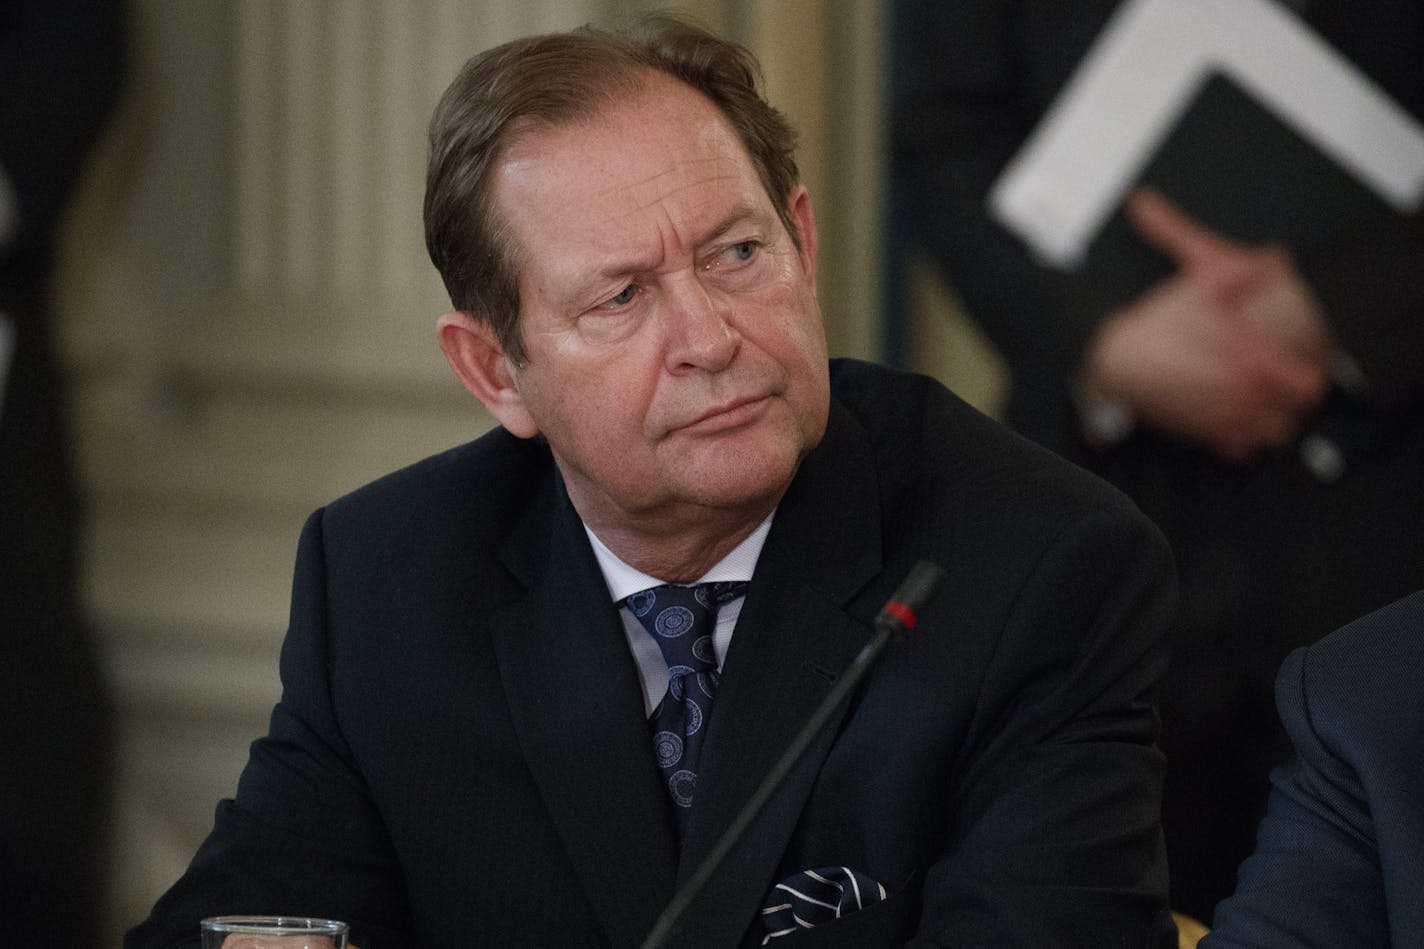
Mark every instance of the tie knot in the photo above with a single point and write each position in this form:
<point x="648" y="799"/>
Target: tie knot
<point x="681" y="620"/>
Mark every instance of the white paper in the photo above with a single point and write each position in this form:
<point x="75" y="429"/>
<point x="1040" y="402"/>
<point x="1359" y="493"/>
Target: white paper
<point x="1136" y="81"/>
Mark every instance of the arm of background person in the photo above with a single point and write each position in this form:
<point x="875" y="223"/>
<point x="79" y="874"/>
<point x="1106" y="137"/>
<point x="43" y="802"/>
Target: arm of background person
<point x="1055" y="836"/>
<point x="59" y="66"/>
<point x="966" y="94"/>
<point x="1231" y="352"/>
<point x="1370" y="282"/>
<point x="972" y="78"/>
<point x="971" y="81"/>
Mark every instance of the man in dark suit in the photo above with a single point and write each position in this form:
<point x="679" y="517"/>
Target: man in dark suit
<point x="462" y="754"/>
<point x="1340" y="859"/>
<point x="1257" y="390"/>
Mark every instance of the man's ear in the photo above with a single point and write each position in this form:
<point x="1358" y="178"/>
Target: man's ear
<point x="473" y="352"/>
<point x="802" y="215"/>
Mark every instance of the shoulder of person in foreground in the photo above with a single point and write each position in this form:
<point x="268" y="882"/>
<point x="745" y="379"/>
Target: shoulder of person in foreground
<point x="1337" y="856"/>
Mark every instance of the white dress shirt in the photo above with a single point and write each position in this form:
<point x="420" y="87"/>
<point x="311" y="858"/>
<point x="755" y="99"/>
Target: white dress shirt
<point x="623" y="581"/>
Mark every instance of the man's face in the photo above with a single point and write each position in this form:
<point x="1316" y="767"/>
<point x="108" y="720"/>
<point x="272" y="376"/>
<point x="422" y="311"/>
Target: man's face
<point x="676" y="361"/>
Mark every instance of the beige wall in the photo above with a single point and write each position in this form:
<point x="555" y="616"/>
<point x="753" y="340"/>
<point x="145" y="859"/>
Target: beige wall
<point x="248" y="315"/>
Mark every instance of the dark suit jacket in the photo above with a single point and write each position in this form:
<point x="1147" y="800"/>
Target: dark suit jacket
<point x="1270" y="556"/>
<point x="1340" y="861"/>
<point x="461" y="757"/>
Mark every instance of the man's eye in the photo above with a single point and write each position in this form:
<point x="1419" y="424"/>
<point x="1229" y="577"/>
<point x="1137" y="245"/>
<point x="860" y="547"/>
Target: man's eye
<point x="743" y="251"/>
<point x="624" y="297"/>
<point x="733" y="256"/>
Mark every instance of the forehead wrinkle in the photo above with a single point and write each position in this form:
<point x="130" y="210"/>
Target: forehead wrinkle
<point x="712" y="183"/>
<point x="687" y="170"/>
<point x="647" y="191"/>
<point x="673" y="231"/>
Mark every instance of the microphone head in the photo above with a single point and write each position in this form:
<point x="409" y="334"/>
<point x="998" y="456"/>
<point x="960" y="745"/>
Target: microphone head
<point x="901" y="611"/>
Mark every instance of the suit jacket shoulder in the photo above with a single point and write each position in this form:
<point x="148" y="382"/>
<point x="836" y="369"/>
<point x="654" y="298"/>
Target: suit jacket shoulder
<point x="940" y="461"/>
<point x="1338" y="854"/>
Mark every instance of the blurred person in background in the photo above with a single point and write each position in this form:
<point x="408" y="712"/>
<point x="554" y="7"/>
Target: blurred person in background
<point x="1262" y="401"/>
<point x="60" y="62"/>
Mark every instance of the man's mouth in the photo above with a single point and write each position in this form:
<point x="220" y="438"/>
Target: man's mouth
<point x="728" y="415"/>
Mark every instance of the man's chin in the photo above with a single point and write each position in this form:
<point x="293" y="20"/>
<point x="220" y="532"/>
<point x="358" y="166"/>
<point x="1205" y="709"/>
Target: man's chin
<point x="748" y="477"/>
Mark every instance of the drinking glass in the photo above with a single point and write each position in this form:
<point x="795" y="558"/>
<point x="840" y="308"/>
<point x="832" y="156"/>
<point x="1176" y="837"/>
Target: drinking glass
<point x="272" y="932"/>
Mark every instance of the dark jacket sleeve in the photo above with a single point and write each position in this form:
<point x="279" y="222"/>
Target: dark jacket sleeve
<point x="1314" y="880"/>
<point x="1337" y="859"/>
<point x="302" y="837"/>
<point x="1056" y="838"/>
<point x="1371" y="284"/>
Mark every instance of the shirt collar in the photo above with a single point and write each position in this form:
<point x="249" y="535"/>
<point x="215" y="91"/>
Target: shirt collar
<point x="623" y="580"/>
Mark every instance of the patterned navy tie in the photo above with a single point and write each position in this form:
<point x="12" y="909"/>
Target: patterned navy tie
<point x="681" y="620"/>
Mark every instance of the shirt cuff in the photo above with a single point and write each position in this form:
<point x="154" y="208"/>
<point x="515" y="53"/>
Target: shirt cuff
<point x="1103" y="421"/>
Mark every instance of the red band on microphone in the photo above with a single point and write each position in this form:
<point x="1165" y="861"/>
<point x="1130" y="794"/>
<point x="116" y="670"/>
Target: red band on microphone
<point x="901" y="612"/>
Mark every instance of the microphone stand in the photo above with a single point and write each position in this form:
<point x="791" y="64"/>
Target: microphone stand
<point x="896" y="618"/>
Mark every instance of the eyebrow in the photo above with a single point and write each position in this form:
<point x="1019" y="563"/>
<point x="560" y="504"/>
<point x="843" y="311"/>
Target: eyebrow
<point x="739" y="214"/>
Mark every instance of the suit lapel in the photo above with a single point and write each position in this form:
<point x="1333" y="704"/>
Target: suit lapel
<point x="793" y="638"/>
<point x="574" y="696"/>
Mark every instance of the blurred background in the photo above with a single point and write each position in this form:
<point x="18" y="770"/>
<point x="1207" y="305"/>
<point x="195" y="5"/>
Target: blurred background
<point x="245" y="313"/>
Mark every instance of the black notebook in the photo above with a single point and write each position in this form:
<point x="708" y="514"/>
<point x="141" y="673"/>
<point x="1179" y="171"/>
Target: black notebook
<point x="1232" y="164"/>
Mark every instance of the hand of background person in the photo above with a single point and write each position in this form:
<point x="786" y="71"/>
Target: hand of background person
<point x="1231" y="351"/>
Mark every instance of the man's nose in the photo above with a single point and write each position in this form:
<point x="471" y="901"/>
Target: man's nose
<point x="700" y="332"/>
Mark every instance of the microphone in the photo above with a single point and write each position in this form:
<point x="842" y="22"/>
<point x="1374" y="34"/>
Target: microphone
<point x="898" y="616"/>
<point x="918" y="588"/>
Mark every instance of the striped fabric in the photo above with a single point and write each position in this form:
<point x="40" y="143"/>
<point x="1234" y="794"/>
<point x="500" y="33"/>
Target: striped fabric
<point x="812" y="897"/>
